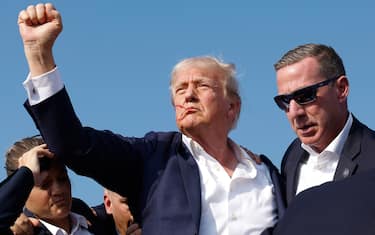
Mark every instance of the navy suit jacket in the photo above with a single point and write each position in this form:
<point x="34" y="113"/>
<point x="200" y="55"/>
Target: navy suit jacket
<point x="156" y="173"/>
<point x="357" y="156"/>
<point x="344" y="207"/>
<point x="105" y="219"/>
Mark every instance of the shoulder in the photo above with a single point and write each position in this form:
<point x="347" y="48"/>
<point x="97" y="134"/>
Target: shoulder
<point x="359" y="126"/>
<point x="155" y="139"/>
<point x="160" y="135"/>
<point x="80" y="207"/>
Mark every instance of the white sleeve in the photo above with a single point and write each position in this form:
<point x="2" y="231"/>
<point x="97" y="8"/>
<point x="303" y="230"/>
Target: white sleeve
<point x="42" y="87"/>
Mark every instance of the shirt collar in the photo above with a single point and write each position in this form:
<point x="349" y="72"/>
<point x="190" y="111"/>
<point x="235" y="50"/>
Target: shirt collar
<point x="245" y="161"/>
<point x="337" y="144"/>
<point x="77" y="222"/>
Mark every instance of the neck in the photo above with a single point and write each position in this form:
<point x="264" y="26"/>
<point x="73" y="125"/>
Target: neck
<point x="219" y="147"/>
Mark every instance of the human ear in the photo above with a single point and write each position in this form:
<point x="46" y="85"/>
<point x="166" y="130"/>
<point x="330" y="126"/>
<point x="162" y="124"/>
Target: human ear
<point x="342" y="86"/>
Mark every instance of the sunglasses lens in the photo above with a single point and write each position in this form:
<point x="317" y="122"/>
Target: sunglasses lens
<point x="305" y="96"/>
<point x="282" y="102"/>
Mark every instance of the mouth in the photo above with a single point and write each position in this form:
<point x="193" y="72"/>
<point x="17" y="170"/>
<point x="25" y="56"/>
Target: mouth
<point x="186" y="111"/>
<point x="60" y="201"/>
<point x="305" y="129"/>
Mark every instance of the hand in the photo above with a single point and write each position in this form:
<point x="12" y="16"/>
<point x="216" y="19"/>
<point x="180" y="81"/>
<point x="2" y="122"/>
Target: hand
<point x="134" y="229"/>
<point x="40" y="24"/>
<point x="30" y="159"/>
<point x="24" y="225"/>
<point x="39" y="27"/>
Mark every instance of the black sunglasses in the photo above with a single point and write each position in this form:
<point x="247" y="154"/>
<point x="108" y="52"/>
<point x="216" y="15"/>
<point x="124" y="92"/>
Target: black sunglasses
<point x="302" y="96"/>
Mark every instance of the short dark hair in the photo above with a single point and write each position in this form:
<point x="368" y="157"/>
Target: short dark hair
<point x="331" y="64"/>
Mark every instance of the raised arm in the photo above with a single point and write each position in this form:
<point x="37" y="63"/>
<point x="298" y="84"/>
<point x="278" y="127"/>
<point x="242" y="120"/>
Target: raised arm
<point x="39" y="27"/>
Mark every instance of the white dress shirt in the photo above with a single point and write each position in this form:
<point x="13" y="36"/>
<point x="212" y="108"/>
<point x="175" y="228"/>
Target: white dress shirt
<point x="79" y="226"/>
<point x="241" y="204"/>
<point x="321" y="167"/>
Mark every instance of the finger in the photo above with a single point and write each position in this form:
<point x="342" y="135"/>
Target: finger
<point x="40" y="151"/>
<point x="14" y="229"/>
<point x="41" y="13"/>
<point x="93" y="211"/>
<point x="32" y="14"/>
<point x="257" y="159"/>
<point x="22" y="229"/>
<point x="35" y="222"/>
<point x="22" y="225"/>
<point x="23" y="17"/>
<point x="44" y="153"/>
<point x="49" y="6"/>
<point x="132" y="228"/>
<point x="43" y="146"/>
<point x="52" y="13"/>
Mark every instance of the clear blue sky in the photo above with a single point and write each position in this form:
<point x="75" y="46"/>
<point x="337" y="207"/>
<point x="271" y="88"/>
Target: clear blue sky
<point x="115" y="58"/>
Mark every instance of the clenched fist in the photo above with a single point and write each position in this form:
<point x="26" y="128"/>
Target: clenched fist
<point x="39" y="27"/>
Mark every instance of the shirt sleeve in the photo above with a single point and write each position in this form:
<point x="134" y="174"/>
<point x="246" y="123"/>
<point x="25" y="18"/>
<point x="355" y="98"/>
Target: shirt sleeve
<point x="42" y="87"/>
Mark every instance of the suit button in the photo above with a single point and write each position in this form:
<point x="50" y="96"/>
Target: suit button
<point x="345" y="173"/>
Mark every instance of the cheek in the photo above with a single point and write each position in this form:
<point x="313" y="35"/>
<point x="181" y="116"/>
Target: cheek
<point x="211" y="101"/>
<point x="68" y="188"/>
<point x="37" y="200"/>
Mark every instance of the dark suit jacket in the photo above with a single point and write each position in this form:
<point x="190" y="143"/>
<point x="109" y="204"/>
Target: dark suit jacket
<point x="344" y="207"/>
<point x="105" y="219"/>
<point x="15" y="190"/>
<point x="156" y="173"/>
<point x="357" y="156"/>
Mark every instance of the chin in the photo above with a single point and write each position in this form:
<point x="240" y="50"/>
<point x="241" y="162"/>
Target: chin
<point x="311" y="141"/>
<point x="62" y="211"/>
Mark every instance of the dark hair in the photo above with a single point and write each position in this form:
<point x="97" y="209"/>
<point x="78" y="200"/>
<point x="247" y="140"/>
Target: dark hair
<point x="331" y="64"/>
<point x="18" y="149"/>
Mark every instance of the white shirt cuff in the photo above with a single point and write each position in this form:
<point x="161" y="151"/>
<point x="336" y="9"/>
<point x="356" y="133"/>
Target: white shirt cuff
<point x="42" y="87"/>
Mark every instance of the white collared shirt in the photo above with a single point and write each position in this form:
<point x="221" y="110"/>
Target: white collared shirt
<point x="79" y="226"/>
<point x="241" y="204"/>
<point x="321" y="167"/>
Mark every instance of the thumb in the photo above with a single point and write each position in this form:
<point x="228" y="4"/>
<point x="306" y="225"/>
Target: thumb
<point x="35" y="222"/>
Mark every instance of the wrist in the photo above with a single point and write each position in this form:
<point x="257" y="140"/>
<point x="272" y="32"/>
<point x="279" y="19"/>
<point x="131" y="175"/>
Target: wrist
<point x="39" y="58"/>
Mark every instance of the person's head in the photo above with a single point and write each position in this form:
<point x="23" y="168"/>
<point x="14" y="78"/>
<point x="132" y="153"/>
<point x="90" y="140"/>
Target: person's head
<point x="205" y="95"/>
<point x="116" y="205"/>
<point x="313" y="90"/>
<point x="51" y="200"/>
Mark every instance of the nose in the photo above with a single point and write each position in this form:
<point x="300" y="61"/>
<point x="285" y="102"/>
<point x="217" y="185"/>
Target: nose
<point x="295" y="109"/>
<point x="55" y="188"/>
<point x="190" y="94"/>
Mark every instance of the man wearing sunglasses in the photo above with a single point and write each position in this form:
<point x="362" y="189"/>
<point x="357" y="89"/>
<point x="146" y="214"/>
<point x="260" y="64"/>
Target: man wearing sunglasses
<point x="332" y="144"/>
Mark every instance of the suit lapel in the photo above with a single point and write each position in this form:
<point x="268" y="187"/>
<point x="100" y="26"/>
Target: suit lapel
<point x="352" y="148"/>
<point x="191" y="180"/>
<point x="278" y="185"/>
<point x="297" y="156"/>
